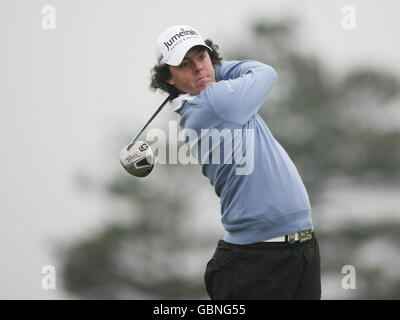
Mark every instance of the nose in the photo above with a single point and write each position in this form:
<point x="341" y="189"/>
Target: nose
<point x="197" y="66"/>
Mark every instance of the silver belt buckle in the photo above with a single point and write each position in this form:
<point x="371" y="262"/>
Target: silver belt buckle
<point x="305" y="235"/>
<point x="291" y="238"/>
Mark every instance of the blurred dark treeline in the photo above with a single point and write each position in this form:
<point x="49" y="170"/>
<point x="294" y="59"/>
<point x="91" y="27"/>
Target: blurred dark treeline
<point x="326" y="120"/>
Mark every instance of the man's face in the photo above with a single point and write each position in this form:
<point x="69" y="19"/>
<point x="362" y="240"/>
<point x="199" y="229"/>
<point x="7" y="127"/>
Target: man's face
<point x="195" y="73"/>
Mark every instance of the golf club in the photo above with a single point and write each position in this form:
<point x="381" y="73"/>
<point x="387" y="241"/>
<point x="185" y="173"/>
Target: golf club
<point x="137" y="157"/>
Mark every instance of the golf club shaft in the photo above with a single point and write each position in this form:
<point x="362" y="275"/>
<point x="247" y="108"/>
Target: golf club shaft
<point x="150" y="120"/>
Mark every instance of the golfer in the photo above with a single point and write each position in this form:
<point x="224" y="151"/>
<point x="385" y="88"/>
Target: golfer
<point x="270" y="250"/>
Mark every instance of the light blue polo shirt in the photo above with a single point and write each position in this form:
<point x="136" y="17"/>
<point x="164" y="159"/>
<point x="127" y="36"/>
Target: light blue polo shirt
<point x="262" y="194"/>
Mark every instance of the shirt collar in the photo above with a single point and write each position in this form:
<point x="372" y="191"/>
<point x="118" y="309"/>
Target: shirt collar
<point x="178" y="101"/>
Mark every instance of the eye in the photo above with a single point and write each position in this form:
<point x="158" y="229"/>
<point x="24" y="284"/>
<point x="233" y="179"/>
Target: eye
<point x="202" y="56"/>
<point x="183" y="65"/>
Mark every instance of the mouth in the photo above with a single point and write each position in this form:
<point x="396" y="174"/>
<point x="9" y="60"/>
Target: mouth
<point x="202" y="79"/>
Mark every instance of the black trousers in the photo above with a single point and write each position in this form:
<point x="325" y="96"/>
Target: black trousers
<point x="264" y="270"/>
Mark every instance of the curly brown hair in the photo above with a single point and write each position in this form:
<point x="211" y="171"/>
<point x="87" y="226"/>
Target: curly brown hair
<point x="161" y="73"/>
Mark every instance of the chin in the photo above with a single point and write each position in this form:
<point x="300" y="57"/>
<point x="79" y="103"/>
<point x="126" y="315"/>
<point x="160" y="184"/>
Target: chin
<point x="205" y="86"/>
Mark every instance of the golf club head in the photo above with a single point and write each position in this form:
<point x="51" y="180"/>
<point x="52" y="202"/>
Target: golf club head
<point x="137" y="158"/>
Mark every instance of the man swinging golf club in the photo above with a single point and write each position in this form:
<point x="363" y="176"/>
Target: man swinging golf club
<point x="270" y="250"/>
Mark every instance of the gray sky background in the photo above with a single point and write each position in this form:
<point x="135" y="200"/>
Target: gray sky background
<point x="67" y="95"/>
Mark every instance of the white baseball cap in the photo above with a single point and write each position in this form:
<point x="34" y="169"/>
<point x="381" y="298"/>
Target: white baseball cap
<point x="175" y="42"/>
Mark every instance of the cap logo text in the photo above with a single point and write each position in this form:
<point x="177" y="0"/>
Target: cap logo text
<point x="179" y="35"/>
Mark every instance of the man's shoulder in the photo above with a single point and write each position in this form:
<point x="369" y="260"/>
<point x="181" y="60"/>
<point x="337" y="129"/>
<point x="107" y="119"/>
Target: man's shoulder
<point x="234" y="68"/>
<point x="224" y="68"/>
